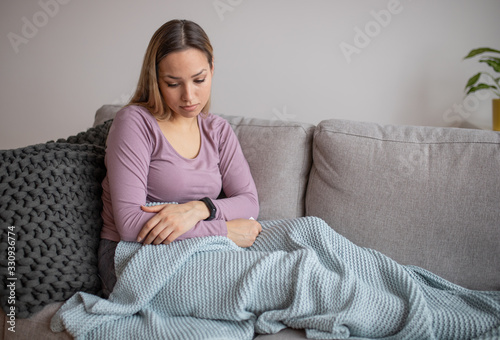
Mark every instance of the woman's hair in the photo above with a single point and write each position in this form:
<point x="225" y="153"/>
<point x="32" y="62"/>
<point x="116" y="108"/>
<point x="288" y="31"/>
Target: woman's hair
<point x="173" y="36"/>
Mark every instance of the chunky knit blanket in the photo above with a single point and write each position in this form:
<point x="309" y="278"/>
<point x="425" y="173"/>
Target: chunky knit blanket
<point x="299" y="273"/>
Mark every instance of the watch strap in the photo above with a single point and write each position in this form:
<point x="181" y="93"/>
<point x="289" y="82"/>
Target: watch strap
<point x="211" y="208"/>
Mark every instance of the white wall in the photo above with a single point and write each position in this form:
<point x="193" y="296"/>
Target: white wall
<point x="278" y="59"/>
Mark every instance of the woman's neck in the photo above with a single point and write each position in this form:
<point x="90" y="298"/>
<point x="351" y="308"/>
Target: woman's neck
<point x="181" y="123"/>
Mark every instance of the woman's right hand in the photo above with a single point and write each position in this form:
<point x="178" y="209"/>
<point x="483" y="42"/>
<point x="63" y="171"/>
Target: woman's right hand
<point x="243" y="232"/>
<point x="171" y="221"/>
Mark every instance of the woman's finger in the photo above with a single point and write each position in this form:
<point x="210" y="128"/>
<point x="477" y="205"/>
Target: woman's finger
<point x="155" y="234"/>
<point x="163" y="236"/>
<point x="173" y="235"/>
<point x="150" y="225"/>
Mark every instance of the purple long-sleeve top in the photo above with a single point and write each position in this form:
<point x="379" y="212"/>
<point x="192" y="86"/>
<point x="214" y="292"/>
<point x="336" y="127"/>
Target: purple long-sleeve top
<point x="143" y="167"/>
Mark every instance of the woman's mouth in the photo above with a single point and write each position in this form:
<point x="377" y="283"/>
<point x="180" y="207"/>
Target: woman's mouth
<point x="189" y="108"/>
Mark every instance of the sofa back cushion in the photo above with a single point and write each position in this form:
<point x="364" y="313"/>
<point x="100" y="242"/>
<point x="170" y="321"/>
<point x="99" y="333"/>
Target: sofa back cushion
<point x="423" y="196"/>
<point x="279" y="155"/>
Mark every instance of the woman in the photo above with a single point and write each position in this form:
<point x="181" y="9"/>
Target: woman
<point x="164" y="146"/>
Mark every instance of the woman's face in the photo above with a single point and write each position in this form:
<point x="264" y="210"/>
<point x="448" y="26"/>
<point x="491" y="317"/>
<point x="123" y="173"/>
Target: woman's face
<point x="185" y="80"/>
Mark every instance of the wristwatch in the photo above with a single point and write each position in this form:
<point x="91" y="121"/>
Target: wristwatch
<point x="211" y="207"/>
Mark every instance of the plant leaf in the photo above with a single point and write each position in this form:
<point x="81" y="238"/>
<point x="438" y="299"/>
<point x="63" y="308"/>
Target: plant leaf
<point x="473" y="80"/>
<point x="481" y="86"/>
<point x="477" y="51"/>
<point x="493" y="62"/>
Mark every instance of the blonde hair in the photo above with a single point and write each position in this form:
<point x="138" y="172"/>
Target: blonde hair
<point x="173" y="36"/>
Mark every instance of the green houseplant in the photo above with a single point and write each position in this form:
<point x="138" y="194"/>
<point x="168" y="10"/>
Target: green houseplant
<point x="490" y="57"/>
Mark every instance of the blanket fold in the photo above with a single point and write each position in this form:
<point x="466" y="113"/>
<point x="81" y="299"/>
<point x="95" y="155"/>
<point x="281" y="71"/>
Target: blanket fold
<point x="299" y="273"/>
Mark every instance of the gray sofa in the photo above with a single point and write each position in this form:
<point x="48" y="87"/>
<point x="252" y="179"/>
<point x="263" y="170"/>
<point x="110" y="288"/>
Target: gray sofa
<point x="424" y="196"/>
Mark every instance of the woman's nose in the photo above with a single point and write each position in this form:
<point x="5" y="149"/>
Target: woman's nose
<point x="187" y="93"/>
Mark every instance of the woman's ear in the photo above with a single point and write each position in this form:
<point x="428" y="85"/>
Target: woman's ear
<point x="213" y="66"/>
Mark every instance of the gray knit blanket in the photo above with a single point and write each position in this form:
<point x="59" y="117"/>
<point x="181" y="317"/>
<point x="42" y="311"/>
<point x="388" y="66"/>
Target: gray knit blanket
<point x="299" y="273"/>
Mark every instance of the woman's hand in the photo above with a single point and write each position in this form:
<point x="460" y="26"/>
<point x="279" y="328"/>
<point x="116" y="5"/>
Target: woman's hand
<point x="243" y="232"/>
<point x="171" y="221"/>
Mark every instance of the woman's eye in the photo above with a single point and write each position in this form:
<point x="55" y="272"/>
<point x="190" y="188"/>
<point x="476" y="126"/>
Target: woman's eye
<point x="172" y="85"/>
<point x="199" y="81"/>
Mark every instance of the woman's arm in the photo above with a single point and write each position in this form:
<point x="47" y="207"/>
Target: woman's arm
<point x="159" y="229"/>
<point x="178" y="222"/>
<point x="241" y="207"/>
<point x="128" y="155"/>
<point x="237" y="181"/>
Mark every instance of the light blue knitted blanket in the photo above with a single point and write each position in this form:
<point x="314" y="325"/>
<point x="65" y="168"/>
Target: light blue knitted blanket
<point x="299" y="273"/>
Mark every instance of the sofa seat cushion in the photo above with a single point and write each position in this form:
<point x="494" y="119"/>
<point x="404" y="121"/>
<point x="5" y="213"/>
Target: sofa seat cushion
<point x="424" y="196"/>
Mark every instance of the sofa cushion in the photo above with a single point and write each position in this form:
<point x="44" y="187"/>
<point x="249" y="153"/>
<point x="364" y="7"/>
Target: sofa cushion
<point x="424" y="196"/>
<point x="50" y="209"/>
<point x="279" y="155"/>
<point x="105" y="113"/>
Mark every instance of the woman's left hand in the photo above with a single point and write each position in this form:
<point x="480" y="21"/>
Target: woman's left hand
<point x="171" y="221"/>
<point x="243" y="231"/>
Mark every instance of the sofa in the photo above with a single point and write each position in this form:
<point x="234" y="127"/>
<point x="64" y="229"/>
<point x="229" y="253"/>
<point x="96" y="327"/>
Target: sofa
<point x="424" y="196"/>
